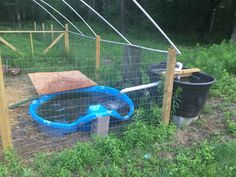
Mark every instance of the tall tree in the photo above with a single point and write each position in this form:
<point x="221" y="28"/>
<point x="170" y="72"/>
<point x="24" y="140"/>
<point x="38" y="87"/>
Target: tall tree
<point x="207" y="25"/>
<point x="122" y="16"/>
<point x="232" y="17"/>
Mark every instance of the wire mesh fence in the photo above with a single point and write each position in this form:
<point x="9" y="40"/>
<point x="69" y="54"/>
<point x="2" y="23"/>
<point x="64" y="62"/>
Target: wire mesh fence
<point x="51" y="122"/>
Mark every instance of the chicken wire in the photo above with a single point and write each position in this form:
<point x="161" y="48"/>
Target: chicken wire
<point x="116" y="70"/>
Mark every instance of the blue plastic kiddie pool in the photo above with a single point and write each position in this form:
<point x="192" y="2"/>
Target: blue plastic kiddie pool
<point x="71" y="111"/>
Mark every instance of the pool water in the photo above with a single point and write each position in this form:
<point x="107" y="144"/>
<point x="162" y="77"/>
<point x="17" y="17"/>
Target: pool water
<point x="68" y="107"/>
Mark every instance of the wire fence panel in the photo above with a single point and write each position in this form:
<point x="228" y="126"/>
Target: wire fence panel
<point x="52" y="122"/>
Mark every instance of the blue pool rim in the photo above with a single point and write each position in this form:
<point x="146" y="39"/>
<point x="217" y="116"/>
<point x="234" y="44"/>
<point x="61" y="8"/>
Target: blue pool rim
<point x="83" y="120"/>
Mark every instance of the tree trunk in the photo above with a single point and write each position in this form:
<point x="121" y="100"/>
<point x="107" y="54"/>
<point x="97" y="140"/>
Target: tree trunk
<point x="210" y="14"/>
<point x="233" y="35"/>
<point x="122" y="16"/>
<point x="17" y="14"/>
<point x="232" y="17"/>
<point x="90" y="13"/>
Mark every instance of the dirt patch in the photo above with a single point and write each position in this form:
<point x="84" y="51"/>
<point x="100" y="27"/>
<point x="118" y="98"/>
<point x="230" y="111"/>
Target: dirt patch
<point x="211" y="124"/>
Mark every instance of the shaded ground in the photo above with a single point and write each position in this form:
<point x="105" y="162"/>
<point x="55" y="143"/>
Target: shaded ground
<point x="28" y="140"/>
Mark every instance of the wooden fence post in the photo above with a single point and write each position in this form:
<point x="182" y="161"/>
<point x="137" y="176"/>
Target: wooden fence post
<point x="43" y="28"/>
<point x="52" y="33"/>
<point x="168" y="89"/>
<point x="32" y="43"/>
<point x="98" y="55"/>
<point x="35" y="26"/>
<point x="67" y="44"/>
<point x="5" y="125"/>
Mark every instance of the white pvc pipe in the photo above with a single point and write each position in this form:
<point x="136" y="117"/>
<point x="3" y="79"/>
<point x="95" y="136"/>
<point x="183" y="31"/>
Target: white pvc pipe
<point x="179" y="67"/>
<point x="151" y="49"/>
<point x="139" y="87"/>
<point x="156" y="25"/>
<point x="80" y="17"/>
<point x="49" y="13"/>
<point x="122" y="43"/>
<point x="62" y="16"/>
<point x="106" y="22"/>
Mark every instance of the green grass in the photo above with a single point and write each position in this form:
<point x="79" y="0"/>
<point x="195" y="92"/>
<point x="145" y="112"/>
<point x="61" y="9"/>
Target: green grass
<point x="144" y="150"/>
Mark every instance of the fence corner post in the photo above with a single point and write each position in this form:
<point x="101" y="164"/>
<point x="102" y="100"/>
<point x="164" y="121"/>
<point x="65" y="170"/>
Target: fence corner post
<point x="5" y="125"/>
<point x="168" y="89"/>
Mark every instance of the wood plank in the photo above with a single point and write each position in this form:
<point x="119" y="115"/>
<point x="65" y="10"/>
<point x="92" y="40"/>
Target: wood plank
<point x="54" y="43"/>
<point x="184" y="72"/>
<point x="51" y="82"/>
<point x="5" y="125"/>
<point x="30" y="32"/>
<point x="168" y="89"/>
<point x="98" y="52"/>
<point x="5" y="42"/>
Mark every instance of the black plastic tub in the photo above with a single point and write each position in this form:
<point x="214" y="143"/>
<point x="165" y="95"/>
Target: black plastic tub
<point x="194" y="90"/>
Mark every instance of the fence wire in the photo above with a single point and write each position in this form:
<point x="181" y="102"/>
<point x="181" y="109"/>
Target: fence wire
<point x="120" y="67"/>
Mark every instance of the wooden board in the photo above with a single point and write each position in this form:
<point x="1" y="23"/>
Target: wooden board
<point x="184" y="72"/>
<point x="168" y="89"/>
<point x="52" y="82"/>
<point x="5" y="125"/>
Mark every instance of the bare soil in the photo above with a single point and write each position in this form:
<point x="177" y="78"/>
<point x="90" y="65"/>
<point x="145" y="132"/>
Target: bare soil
<point x="210" y="125"/>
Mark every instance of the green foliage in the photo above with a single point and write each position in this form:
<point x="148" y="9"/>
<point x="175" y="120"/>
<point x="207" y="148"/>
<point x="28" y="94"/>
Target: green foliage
<point x="144" y="150"/>
<point x="109" y="156"/>
<point x="231" y="125"/>
<point x="12" y="166"/>
<point x="176" y="99"/>
<point x="194" y="161"/>
<point x="214" y="60"/>
<point x="230" y="122"/>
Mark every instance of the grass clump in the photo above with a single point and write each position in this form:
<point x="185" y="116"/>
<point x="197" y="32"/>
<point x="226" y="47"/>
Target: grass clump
<point x="13" y="166"/>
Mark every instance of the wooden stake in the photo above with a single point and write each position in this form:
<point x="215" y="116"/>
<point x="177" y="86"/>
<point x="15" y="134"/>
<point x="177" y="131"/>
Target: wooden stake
<point x="5" y="125"/>
<point x="43" y="28"/>
<point x="53" y="43"/>
<point x="8" y="44"/>
<point x="52" y="34"/>
<point x="67" y="45"/>
<point x="35" y="26"/>
<point x="19" y="32"/>
<point x="32" y="44"/>
<point x="98" y="52"/>
<point x="168" y="90"/>
<point x="98" y="55"/>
